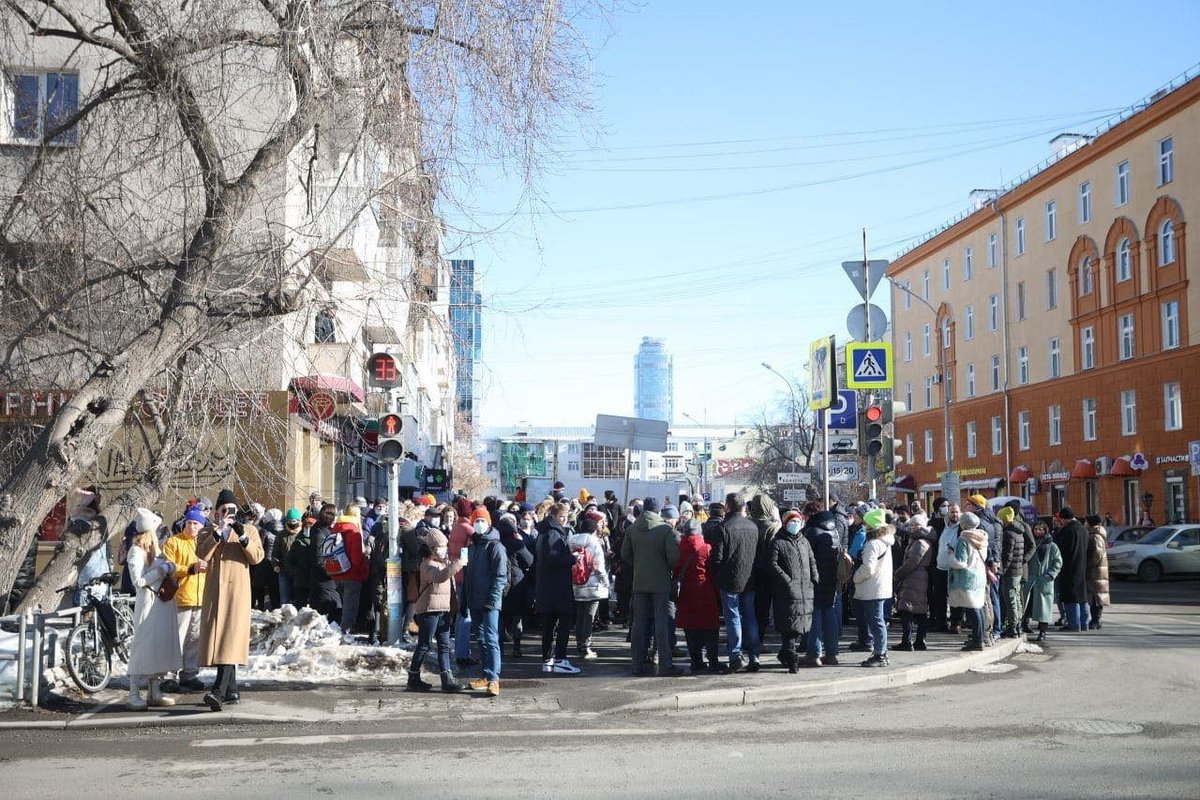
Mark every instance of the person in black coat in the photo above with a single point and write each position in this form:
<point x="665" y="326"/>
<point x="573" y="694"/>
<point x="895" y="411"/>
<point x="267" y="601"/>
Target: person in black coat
<point x="519" y="598"/>
<point x="794" y="574"/>
<point x="820" y="530"/>
<point x="1071" y="583"/>
<point x="554" y="593"/>
<point x="733" y="560"/>
<point x="323" y="594"/>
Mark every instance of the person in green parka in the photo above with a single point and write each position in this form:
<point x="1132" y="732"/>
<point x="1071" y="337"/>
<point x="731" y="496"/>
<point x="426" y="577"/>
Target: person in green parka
<point x="1044" y="567"/>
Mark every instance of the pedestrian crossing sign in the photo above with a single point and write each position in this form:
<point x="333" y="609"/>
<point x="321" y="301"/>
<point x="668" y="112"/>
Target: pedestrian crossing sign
<point x="869" y="365"/>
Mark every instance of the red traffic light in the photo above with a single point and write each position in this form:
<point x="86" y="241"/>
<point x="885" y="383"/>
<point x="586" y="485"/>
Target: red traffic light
<point x="390" y="426"/>
<point x="383" y="370"/>
<point x="873" y="413"/>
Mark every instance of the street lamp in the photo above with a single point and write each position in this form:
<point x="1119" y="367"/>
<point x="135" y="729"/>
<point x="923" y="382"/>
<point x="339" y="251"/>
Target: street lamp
<point x="703" y="463"/>
<point x="946" y="430"/>
<point x="795" y="414"/>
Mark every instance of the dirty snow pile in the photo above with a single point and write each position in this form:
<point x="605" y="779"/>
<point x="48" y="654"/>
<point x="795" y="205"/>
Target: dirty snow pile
<point x="8" y="669"/>
<point x="1028" y="647"/>
<point x="291" y="645"/>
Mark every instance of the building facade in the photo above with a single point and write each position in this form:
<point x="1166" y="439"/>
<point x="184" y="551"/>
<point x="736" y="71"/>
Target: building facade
<point x="654" y="381"/>
<point x="1044" y="341"/>
<point x="467" y="333"/>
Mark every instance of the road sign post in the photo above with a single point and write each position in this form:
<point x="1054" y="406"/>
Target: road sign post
<point x="822" y="372"/>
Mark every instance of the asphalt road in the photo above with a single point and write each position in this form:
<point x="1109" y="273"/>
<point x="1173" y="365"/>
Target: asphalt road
<point x="1113" y="713"/>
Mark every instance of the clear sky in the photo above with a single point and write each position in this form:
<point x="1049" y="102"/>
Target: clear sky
<point x="741" y="149"/>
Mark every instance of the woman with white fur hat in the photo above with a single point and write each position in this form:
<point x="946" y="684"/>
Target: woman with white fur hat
<point x="155" y="649"/>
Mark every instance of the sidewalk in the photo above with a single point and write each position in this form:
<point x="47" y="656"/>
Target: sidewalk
<point x="604" y="688"/>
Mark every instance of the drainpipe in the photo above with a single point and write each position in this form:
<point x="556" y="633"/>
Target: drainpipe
<point x="1004" y="306"/>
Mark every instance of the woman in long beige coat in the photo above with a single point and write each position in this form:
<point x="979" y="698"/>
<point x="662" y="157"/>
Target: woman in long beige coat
<point x="1097" y="570"/>
<point x="230" y="550"/>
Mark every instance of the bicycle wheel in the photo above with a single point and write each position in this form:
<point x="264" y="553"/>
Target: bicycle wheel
<point x="88" y="662"/>
<point x="124" y="630"/>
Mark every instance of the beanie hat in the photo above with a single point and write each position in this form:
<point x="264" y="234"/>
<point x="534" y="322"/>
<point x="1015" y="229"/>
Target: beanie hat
<point x="694" y="526"/>
<point x="685" y="507"/>
<point x="1006" y="515"/>
<point x="526" y="507"/>
<point x="194" y="514"/>
<point x="360" y="500"/>
<point x="968" y="522"/>
<point x="978" y="500"/>
<point x="274" y="514"/>
<point x="875" y="518"/>
<point x="650" y="504"/>
<point x="791" y="515"/>
<point x="206" y="503"/>
<point x="1066" y="513"/>
<point x="146" y="520"/>
<point x="595" y="515"/>
<point x="583" y="495"/>
<point x="481" y="513"/>
<point x="294" y="514"/>
<point x="670" y="512"/>
<point x="226" y="497"/>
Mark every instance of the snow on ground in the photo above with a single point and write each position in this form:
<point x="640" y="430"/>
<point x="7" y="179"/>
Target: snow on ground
<point x="8" y="669"/>
<point x="301" y="645"/>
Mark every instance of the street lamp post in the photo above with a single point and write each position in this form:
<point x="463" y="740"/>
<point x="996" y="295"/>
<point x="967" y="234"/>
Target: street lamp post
<point x="704" y="487"/>
<point x="946" y="432"/>
<point x="795" y="414"/>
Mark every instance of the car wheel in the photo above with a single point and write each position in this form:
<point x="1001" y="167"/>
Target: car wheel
<point x="1150" y="571"/>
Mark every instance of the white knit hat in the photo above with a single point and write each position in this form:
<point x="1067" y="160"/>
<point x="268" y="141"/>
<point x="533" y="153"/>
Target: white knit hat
<point x="146" y="520"/>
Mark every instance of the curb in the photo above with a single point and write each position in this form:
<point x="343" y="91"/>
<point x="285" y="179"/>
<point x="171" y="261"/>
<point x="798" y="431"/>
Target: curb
<point x="189" y="719"/>
<point x="874" y="681"/>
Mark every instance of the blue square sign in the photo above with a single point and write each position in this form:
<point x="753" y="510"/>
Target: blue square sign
<point x="869" y="365"/>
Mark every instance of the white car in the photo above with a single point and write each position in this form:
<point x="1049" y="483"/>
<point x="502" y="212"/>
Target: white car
<point x="1167" y="550"/>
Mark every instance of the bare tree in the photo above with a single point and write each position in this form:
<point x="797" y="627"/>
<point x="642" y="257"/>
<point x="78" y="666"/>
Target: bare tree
<point x="155" y="216"/>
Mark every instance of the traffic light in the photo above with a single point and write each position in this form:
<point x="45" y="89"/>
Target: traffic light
<point x="383" y="371"/>
<point x="391" y="448"/>
<point x="871" y="429"/>
<point x="437" y="480"/>
<point x="893" y="446"/>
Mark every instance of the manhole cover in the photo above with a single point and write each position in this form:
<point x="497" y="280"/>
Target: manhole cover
<point x="1101" y="727"/>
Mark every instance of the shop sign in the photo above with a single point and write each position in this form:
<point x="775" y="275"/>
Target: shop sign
<point x="1182" y="458"/>
<point x="962" y="473"/>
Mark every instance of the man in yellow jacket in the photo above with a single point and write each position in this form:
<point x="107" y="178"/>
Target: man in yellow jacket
<point x="180" y="550"/>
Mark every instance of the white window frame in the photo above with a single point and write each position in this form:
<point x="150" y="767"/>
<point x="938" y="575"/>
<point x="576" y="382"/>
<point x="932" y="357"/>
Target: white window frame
<point x="968" y="263"/>
<point x="1166" y="160"/>
<point x="1055" y="425"/>
<point x="1054" y="351"/>
<point x="1021" y="304"/>
<point x="1087" y="347"/>
<point x="68" y="138"/>
<point x="1129" y="412"/>
<point x="1122" y="191"/>
<point x="997" y="437"/>
<point x="970" y="322"/>
<point x="1166" y="243"/>
<point x="1051" y="288"/>
<point x="928" y="392"/>
<point x="908" y="403"/>
<point x="1090" y="432"/>
<point x="995" y="373"/>
<point x="928" y="446"/>
<point x="926" y="335"/>
<point x="1051" y="220"/>
<point x="1173" y="406"/>
<point x="993" y="255"/>
<point x="945" y="274"/>
<point x="1124" y="260"/>
<point x="994" y="312"/>
<point x="907" y="296"/>
<point x="970" y="380"/>
<point x="1023" y="432"/>
<point x="1126" y="343"/>
<point x="908" y="448"/>
<point x="1087" y="277"/>
<point x="1085" y="202"/>
<point x="1020" y="236"/>
<point x="925" y="284"/>
<point x="1023" y="364"/>
<point x="972" y="440"/>
<point x="908" y="345"/>
<point x="946" y="334"/>
<point x="1170" y="325"/>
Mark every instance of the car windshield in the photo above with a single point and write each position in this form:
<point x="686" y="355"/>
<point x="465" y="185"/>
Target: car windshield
<point x="1157" y="536"/>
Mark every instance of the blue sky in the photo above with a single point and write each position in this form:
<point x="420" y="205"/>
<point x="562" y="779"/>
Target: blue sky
<point x="800" y="123"/>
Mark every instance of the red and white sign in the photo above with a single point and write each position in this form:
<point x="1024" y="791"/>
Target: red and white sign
<point x="322" y="405"/>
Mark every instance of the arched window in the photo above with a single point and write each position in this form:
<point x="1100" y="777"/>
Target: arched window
<point x="1166" y="243"/>
<point x="1087" y="278"/>
<point x="1124" y="261"/>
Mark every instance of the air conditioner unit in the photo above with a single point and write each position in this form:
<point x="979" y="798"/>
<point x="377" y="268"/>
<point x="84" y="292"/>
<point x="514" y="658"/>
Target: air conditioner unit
<point x="1103" y="465"/>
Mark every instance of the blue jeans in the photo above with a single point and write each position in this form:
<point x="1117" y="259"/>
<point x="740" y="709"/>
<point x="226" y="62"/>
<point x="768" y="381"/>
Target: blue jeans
<point x="994" y="590"/>
<point x="1077" y="614"/>
<point x="823" y="636"/>
<point x="432" y="627"/>
<point x="873" y="611"/>
<point x="862" y="616"/>
<point x="741" y="624"/>
<point x="285" y="589"/>
<point x="486" y="624"/>
<point x="462" y="630"/>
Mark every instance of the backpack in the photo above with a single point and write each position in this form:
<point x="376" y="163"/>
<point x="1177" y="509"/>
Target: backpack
<point x="584" y="566"/>
<point x="334" y="556"/>
<point x="512" y="574"/>
<point x="845" y="568"/>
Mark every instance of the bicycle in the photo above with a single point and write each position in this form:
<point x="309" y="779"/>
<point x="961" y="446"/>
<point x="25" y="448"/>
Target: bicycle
<point x="105" y="629"/>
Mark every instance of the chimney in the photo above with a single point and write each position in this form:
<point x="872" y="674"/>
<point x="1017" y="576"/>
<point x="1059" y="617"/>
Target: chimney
<point x="1066" y="143"/>
<point x="981" y="197"/>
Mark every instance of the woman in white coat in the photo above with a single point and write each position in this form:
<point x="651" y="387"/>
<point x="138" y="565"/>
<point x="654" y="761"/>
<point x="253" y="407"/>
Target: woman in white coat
<point x="155" y="649"/>
<point x="586" y="546"/>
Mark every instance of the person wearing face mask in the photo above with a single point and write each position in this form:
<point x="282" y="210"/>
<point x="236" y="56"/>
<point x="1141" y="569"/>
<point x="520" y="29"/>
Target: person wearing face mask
<point x="945" y="525"/>
<point x="518" y="546"/>
<point x="794" y="574"/>
<point x="483" y="593"/>
<point x="432" y="612"/>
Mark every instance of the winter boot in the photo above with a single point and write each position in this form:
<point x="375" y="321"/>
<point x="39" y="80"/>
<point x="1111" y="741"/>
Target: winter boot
<point x="904" y="646"/>
<point x="516" y="643"/>
<point x="450" y="683"/>
<point x="415" y="684"/>
<point x="1041" y="637"/>
<point x="156" y="698"/>
<point x="698" y="666"/>
<point x="919" y="644"/>
<point x="134" y="701"/>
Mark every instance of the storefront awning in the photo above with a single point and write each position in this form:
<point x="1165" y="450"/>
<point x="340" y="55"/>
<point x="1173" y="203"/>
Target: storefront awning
<point x="1020" y="474"/>
<point x="905" y="483"/>
<point x="1083" y="469"/>
<point x="1121" y="468"/>
<point x="338" y="384"/>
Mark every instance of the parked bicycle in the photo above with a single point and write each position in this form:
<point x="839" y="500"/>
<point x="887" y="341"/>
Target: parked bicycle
<point x="105" y="629"/>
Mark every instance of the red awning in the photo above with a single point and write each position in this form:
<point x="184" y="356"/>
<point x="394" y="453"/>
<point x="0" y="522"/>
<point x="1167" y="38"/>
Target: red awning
<point x="1083" y="469"/>
<point x="337" y="384"/>
<point x="1020" y="474"/>
<point x="906" y="483"/>
<point x="1121" y="468"/>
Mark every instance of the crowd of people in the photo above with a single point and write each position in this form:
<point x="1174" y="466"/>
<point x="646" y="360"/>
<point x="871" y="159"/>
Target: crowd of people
<point x="485" y="572"/>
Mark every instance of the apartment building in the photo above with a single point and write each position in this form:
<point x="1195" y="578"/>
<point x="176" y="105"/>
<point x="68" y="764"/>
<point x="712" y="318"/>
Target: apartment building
<point x="1044" y="345"/>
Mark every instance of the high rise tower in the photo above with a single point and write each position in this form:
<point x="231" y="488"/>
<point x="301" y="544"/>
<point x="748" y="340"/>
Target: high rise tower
<point x="466" y="328"/>
<point x="654" y="381"/>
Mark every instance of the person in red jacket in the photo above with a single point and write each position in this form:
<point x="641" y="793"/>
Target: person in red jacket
<point x="349" y="527"/>
<point x="698" y="606"/>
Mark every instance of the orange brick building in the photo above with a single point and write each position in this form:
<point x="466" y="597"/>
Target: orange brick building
<point x="1051" y="327"/>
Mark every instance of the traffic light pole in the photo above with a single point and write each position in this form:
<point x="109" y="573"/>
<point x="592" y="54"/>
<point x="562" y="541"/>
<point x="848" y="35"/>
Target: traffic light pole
<point x="395" y="574"/>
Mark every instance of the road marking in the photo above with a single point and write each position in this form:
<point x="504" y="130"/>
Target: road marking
<point x="294" y="741"/>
